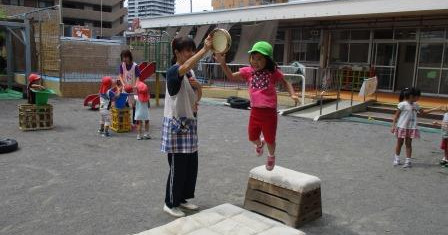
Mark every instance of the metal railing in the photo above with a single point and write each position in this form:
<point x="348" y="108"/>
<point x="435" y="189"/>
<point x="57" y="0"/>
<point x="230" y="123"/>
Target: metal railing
<point x="336" y="80"/>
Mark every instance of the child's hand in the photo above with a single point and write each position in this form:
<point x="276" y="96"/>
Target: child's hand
<point x="194" y="83"/>
<point x="220" y="58"/>
<point x="295" y="98"/>
<point x="208" y="42"/>
<point x="392" y="130"/>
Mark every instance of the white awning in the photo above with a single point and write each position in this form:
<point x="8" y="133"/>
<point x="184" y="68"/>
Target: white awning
<point x="316" y="9"/>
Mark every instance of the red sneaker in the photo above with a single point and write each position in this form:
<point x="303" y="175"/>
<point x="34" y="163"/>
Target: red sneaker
<point x="270" y="163"/>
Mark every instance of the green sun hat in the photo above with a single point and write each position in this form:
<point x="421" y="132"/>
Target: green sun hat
<point x="264" y="48"/>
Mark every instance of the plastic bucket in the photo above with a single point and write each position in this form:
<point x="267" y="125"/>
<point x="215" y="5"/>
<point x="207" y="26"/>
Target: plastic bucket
<point x="121" y="101"/>
<point x="42" y="96"/>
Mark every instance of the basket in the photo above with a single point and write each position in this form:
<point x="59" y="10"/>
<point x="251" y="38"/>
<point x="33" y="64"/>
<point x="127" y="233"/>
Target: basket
<point x="121" y="120"/>
<point x="33" y="117"/>
<point x="42" y="96"/>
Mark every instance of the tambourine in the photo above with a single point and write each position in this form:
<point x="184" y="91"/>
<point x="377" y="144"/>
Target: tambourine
<point x="221" y="41"/>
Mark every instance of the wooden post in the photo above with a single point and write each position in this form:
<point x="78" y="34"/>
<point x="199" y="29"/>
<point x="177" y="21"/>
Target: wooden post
<point x="157" y="89"/>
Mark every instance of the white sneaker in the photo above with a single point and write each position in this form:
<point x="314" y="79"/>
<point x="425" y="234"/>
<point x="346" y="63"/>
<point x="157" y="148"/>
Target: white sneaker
<point x="407" y="164"/>
<point x="397" y="160"/>
<point x="139" y="137"/>
<point x="173" y="211"/>
<point x="189" y="206"/>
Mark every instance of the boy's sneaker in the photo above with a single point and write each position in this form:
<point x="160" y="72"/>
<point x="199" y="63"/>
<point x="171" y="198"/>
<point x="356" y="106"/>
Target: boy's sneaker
<point x="106" y="134"/>
<point x="259" y="149"/>
<point x="189" y="206"/>
<point x="173" y="211"/>
<point x="100" y="131"/>
<point x="443" y="162"/>
<point x="147" y="137"/>
<point x="270" y="163"/>
<point x="139" y="137"/>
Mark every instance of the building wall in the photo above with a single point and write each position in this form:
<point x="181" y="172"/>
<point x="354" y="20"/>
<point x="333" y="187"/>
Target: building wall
<point x="227" y="4"/>
<point x="88" y="13"/>
<point x="80" y="12"/>
<point x="147" y="8"/>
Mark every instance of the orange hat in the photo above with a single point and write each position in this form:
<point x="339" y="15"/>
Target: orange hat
<point x="33" y="77"/>
<point x="106" y="84"/>
<point x="128" y="88"/>
<point x="142" y="92"/>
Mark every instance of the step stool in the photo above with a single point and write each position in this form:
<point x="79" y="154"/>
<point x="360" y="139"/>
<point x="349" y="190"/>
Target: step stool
<point x="121" y="120"/>
<point x="285" y="195"/>
<point x="33" y="117"/>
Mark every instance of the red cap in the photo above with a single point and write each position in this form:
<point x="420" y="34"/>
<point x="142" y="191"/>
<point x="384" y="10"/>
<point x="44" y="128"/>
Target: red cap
<point x="142" y="92"/>
<point x="128" y="88"/>
<point x="106" y="84"/>
<point x="33" y="77"/>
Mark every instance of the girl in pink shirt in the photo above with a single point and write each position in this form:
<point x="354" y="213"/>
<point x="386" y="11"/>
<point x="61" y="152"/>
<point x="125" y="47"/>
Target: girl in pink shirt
<point x="262" y="76"/>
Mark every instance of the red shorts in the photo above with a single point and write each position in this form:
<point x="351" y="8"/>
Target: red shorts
<point x="263" y="120"/>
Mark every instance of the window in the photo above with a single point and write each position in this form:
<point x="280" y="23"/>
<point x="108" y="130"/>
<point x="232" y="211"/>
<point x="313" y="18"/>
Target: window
<point x="359" y="52"/>
<point x="431" y="55"/>
<point x="350" y="46"/>
<point x="305" y="45"/>
<point x="432" y="34"/>
<point x="46" y="3"/>
<point x="405" y="34"/>
<point x="339" y="53"/>
<point x="383" y="34"/>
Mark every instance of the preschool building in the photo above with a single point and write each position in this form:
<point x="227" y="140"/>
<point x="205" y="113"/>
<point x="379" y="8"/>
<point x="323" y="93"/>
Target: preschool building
<point x="403" y="42"/>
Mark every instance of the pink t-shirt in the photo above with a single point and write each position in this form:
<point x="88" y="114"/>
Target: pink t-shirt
<point x="262" y="86"/>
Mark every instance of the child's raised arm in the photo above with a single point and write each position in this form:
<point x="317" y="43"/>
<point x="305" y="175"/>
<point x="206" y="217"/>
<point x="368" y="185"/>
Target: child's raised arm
<point x="221" y="58"/>
<point x="190" y="63"/>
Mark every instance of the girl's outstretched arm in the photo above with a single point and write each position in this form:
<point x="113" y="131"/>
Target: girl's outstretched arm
<point x="394" y="120"/>
<point x="422" y="111"/>
<point x="221" y="58"/>
<point x="190" y="63"/>
<point x="290" y="89"/>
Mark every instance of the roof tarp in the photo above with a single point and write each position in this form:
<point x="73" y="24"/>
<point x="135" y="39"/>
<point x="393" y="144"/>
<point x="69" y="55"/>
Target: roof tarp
<point x="250" y="34"/>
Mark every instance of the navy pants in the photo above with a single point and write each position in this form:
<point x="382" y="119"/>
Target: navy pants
<point x="181" y="182"/>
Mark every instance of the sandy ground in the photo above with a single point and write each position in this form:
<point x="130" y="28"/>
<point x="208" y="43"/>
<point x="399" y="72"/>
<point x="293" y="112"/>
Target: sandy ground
<point x="69" y="180"/>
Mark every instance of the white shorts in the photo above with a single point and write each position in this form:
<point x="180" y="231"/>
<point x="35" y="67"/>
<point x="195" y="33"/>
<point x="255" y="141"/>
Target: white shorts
<point x="104" y="117"/>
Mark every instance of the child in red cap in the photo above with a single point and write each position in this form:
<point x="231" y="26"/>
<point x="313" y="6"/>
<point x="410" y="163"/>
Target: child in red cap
<point x="34" y="82"/>
<point x="106" y="96"/>
<point x="142" y="110"/>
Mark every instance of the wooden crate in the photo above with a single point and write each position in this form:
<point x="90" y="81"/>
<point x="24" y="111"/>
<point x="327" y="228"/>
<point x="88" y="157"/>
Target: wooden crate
<point x="32" y="117"/>
<point x="293" y="208"/>
<point x="121" y="120"/>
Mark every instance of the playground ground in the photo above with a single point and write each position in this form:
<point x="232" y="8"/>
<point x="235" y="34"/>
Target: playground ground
<point x="71" y="181"/>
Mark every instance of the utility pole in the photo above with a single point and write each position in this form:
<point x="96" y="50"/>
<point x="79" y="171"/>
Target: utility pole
<point x="191" y="6"/>
<point x="101" y="22"/>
